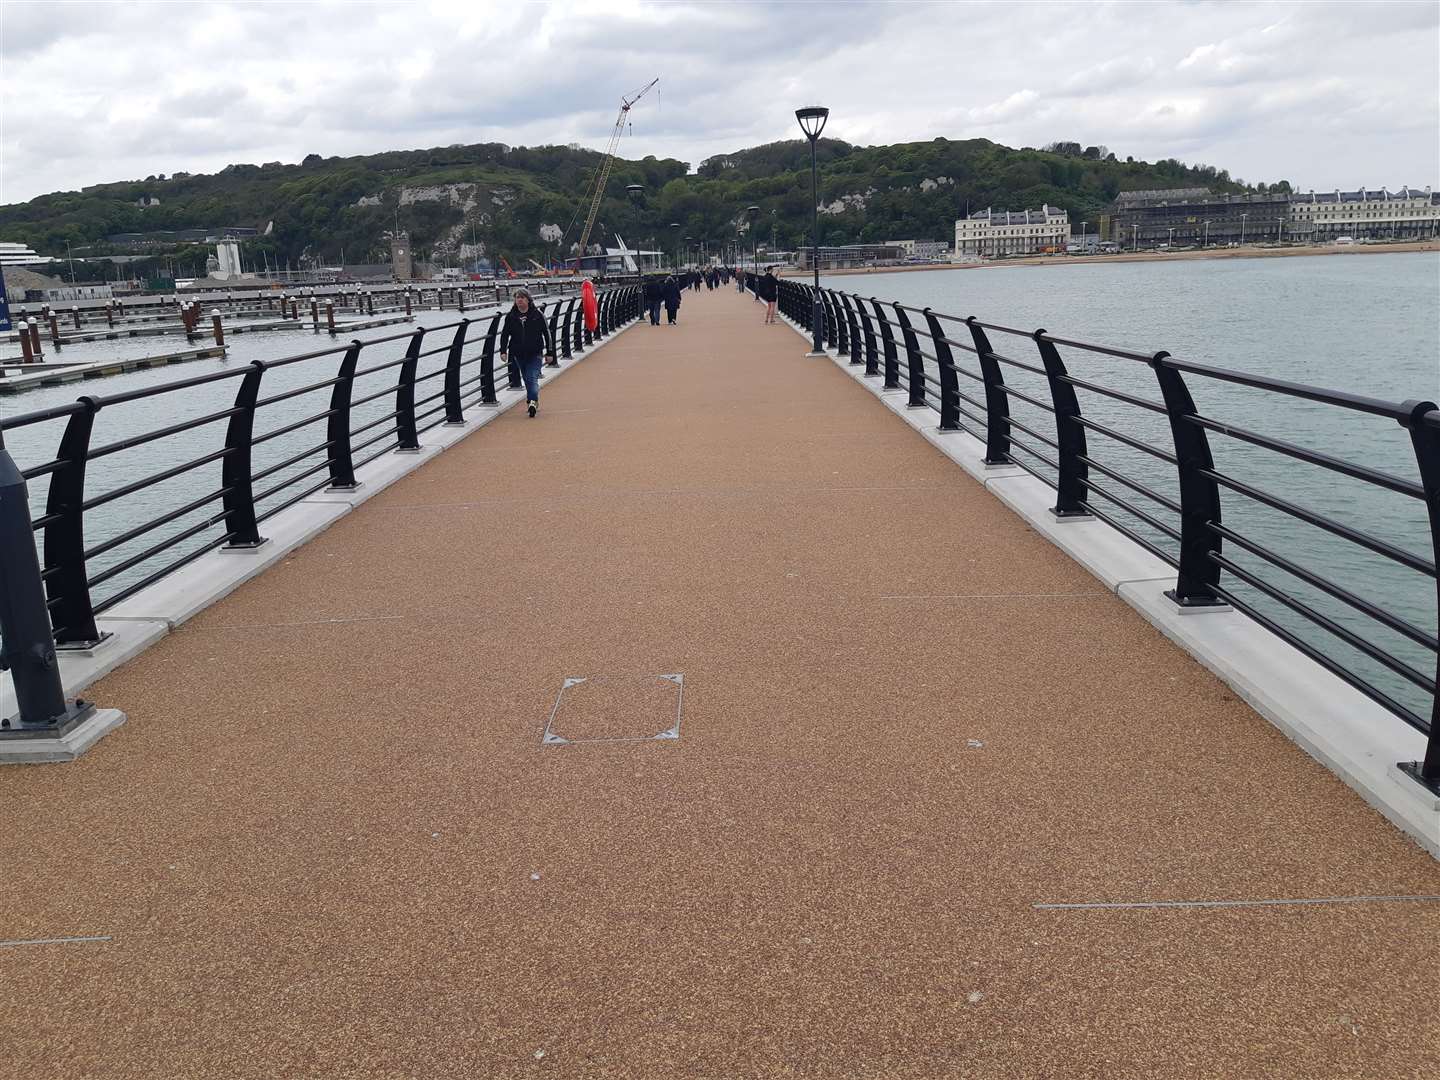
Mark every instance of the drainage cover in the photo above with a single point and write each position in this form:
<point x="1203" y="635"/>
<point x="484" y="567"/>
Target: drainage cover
<point x="616" y="708"/>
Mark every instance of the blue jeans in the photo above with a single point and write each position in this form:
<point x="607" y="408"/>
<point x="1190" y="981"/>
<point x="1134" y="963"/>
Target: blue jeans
<point x="655" y="313"/>
<point x="530" y="372"/>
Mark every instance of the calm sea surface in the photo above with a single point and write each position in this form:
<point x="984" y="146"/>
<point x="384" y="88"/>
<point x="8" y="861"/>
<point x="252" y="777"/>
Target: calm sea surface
<point x="1368" y="324"/>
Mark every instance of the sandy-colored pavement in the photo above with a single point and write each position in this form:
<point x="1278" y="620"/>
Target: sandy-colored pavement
<point x="329" y="842"/>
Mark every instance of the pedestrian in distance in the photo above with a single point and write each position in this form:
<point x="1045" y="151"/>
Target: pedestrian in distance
<point x="654" y="297"/>
<point x="527" y="334"/>
<point x="768" y="289"/>
<point x="672" y="300"/>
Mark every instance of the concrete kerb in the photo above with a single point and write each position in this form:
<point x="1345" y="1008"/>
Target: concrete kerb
<point x="139" y="621"/>
<point x="1335" y="724"/>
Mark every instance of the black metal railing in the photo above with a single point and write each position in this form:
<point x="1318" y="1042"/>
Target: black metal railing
<point x="1140" y="457"/>
<point x="214" y="479"/>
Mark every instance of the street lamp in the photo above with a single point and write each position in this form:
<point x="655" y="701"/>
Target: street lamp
<point x="1206" y="242"/>
<point x="812" y="121"/>
<point x="753" y="212"/>
<point x="1242" y="228"/>
<point x="1171" y="242"/>
<point x="1134" y="237"/>
<point x="676" y="226"/>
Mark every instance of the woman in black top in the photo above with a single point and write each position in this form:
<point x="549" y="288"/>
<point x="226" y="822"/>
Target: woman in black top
<point x="528" y="334"/>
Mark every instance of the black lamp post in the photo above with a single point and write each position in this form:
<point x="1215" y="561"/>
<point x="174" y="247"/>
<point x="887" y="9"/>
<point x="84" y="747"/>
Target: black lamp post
<point x="812" y="121"/>
<point x="676" y="226"/>
<point x="752" y="212"/>
<point x="689" y="242"/>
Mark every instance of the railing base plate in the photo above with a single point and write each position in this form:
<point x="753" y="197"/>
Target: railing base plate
<point x="1194" y="607"/>
<point x="84" y="648"/>
<point x="1412" y="769"/>
<point x="344" y="487"/>
<point x="248" y="546"/>
<point x="1066" y="516"/>
<point x="408" y="449"/>
<point x="76" y="713"/>
<point x="26" y="747"/>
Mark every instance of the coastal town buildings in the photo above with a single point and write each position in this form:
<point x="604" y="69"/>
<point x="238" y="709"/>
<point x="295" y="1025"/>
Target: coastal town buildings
<point x="1005" y="232"/>
<point x="1193" y="217"/>
<point x="1407" y="214"/>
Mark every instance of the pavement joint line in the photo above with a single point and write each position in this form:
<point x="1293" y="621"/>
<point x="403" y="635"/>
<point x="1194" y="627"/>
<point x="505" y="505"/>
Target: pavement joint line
<point x="991" y="596"/>
<point x="1237" y="903"/>
<point x="607" y="492"/>
<point x="306" y="622"/>
<point x="54" y="940"/>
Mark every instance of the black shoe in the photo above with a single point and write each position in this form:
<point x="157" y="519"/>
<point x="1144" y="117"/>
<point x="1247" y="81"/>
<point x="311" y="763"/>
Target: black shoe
<point x="533" y="407"/>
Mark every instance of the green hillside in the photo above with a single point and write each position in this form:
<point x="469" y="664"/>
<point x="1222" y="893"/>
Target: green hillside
<point x="501" y="197"/>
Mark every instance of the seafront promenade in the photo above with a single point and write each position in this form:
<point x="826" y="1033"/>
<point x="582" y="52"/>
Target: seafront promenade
<point x="905" y="732"/>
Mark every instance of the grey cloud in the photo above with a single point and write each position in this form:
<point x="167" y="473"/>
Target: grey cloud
<point x="123" y="90"/>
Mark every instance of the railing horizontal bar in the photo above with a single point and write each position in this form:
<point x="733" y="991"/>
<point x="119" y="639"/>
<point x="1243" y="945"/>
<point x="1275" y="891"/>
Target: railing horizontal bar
<point x="325" y="464"/>
<point x="155" y="478"/>
<point x="150" y="552"/>
<point x="293" y="500"/>
<point x="378" y="453"/>
<point x="1312" y="457"/>
<point x="1354" y="640"/>
<point x="1359" y="603"/>
<point x="1355" y="536"/>
<point x="1118" y="395"/>
<point x="379" y="367"/>
<point x="1010" y="391"/>
<point x="288" y="428"/>
<point x="1111" y="433"/>
<point x="391" y="415"/>
<point x="1133" y="485"/>
<point x="164" y="519"/>
<point x="1154" y="522"/>
<point x="392" y="430"/>
<point x="1355" y="402"/>
<point x="39" y="416"/>
<point x="1118" y="525"/>
<point x="146" y="582"/>
<point x="386" y="392"/>
<point x="1021" y="364"/>
<point x="294" y="459"/>
<point x="159" y="433"/>
<point x="1378" y="696"/>
<point x="297" y="392"/>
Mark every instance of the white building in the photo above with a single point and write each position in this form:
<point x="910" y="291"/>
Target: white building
<point x="1005" y="232"/>
<point x="924" y="250"/>
<point x="1407" y="214"/>
<point x="19" y="255"/>
<point x="228" y="260"/>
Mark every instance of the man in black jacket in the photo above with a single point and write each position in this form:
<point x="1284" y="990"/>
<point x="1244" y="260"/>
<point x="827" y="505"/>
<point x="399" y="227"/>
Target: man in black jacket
<point x="527" y="333"/>
<point x="653" y="298"/>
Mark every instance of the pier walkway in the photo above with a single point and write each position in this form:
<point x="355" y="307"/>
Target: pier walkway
<point x="330" y="842"/>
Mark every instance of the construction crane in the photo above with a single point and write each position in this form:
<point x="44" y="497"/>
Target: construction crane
<point x="603" y="174"/>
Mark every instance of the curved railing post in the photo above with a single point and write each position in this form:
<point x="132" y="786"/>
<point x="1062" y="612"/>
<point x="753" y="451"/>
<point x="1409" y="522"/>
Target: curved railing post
<point x="27" y="647"/>
<point x="565" y="329"/>
<point x="831" y="321"/>
<point x="553" y="322"/>
<point x="852" y="331"/>
<point x="841" y="331"/>
<point x="872" y="354"/>
<point x="887" y="337"/>
<point x="997" y="401"/>
<point x="949" y="381"/>
<point x="1423" y="422"/>
<point x="579" y="326"/>
<point x="235" y="468"/>
<point x="1070" y="503"/>
<point x="487" y="362"/>
<point x="337" y="424"/>
<point x="454" y="413"/>
<point x="914" y="361"/>
<point x="405" y="430"/>
<point x="66" y="582"/>
<point x="1199" y="495"/>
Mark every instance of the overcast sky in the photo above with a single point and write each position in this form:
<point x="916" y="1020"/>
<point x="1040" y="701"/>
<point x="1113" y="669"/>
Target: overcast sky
<point x="1321" y="94"/>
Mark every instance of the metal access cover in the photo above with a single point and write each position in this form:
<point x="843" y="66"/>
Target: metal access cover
<point x="616" y="708"/>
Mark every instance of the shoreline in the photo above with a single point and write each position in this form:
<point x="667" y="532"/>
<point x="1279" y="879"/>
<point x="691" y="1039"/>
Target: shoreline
<point x="1247" y="252"/>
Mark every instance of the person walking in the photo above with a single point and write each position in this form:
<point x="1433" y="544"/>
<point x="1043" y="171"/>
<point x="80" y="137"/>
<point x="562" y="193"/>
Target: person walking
<point x="768" y="289"/>
<point x="654" y="296"/>
<point x="527" y="333"/>
<point x="672" y="300"/>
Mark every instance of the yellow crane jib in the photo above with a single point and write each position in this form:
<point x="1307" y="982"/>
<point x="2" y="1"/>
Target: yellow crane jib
<point x="603" y="175"/>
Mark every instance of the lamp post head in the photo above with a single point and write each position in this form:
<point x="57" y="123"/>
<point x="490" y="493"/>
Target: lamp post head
<point x="635" y="190"/>
<point x="812" y="120"/>
<point x="674" y="224"/>
<point x="752" y="210"/>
